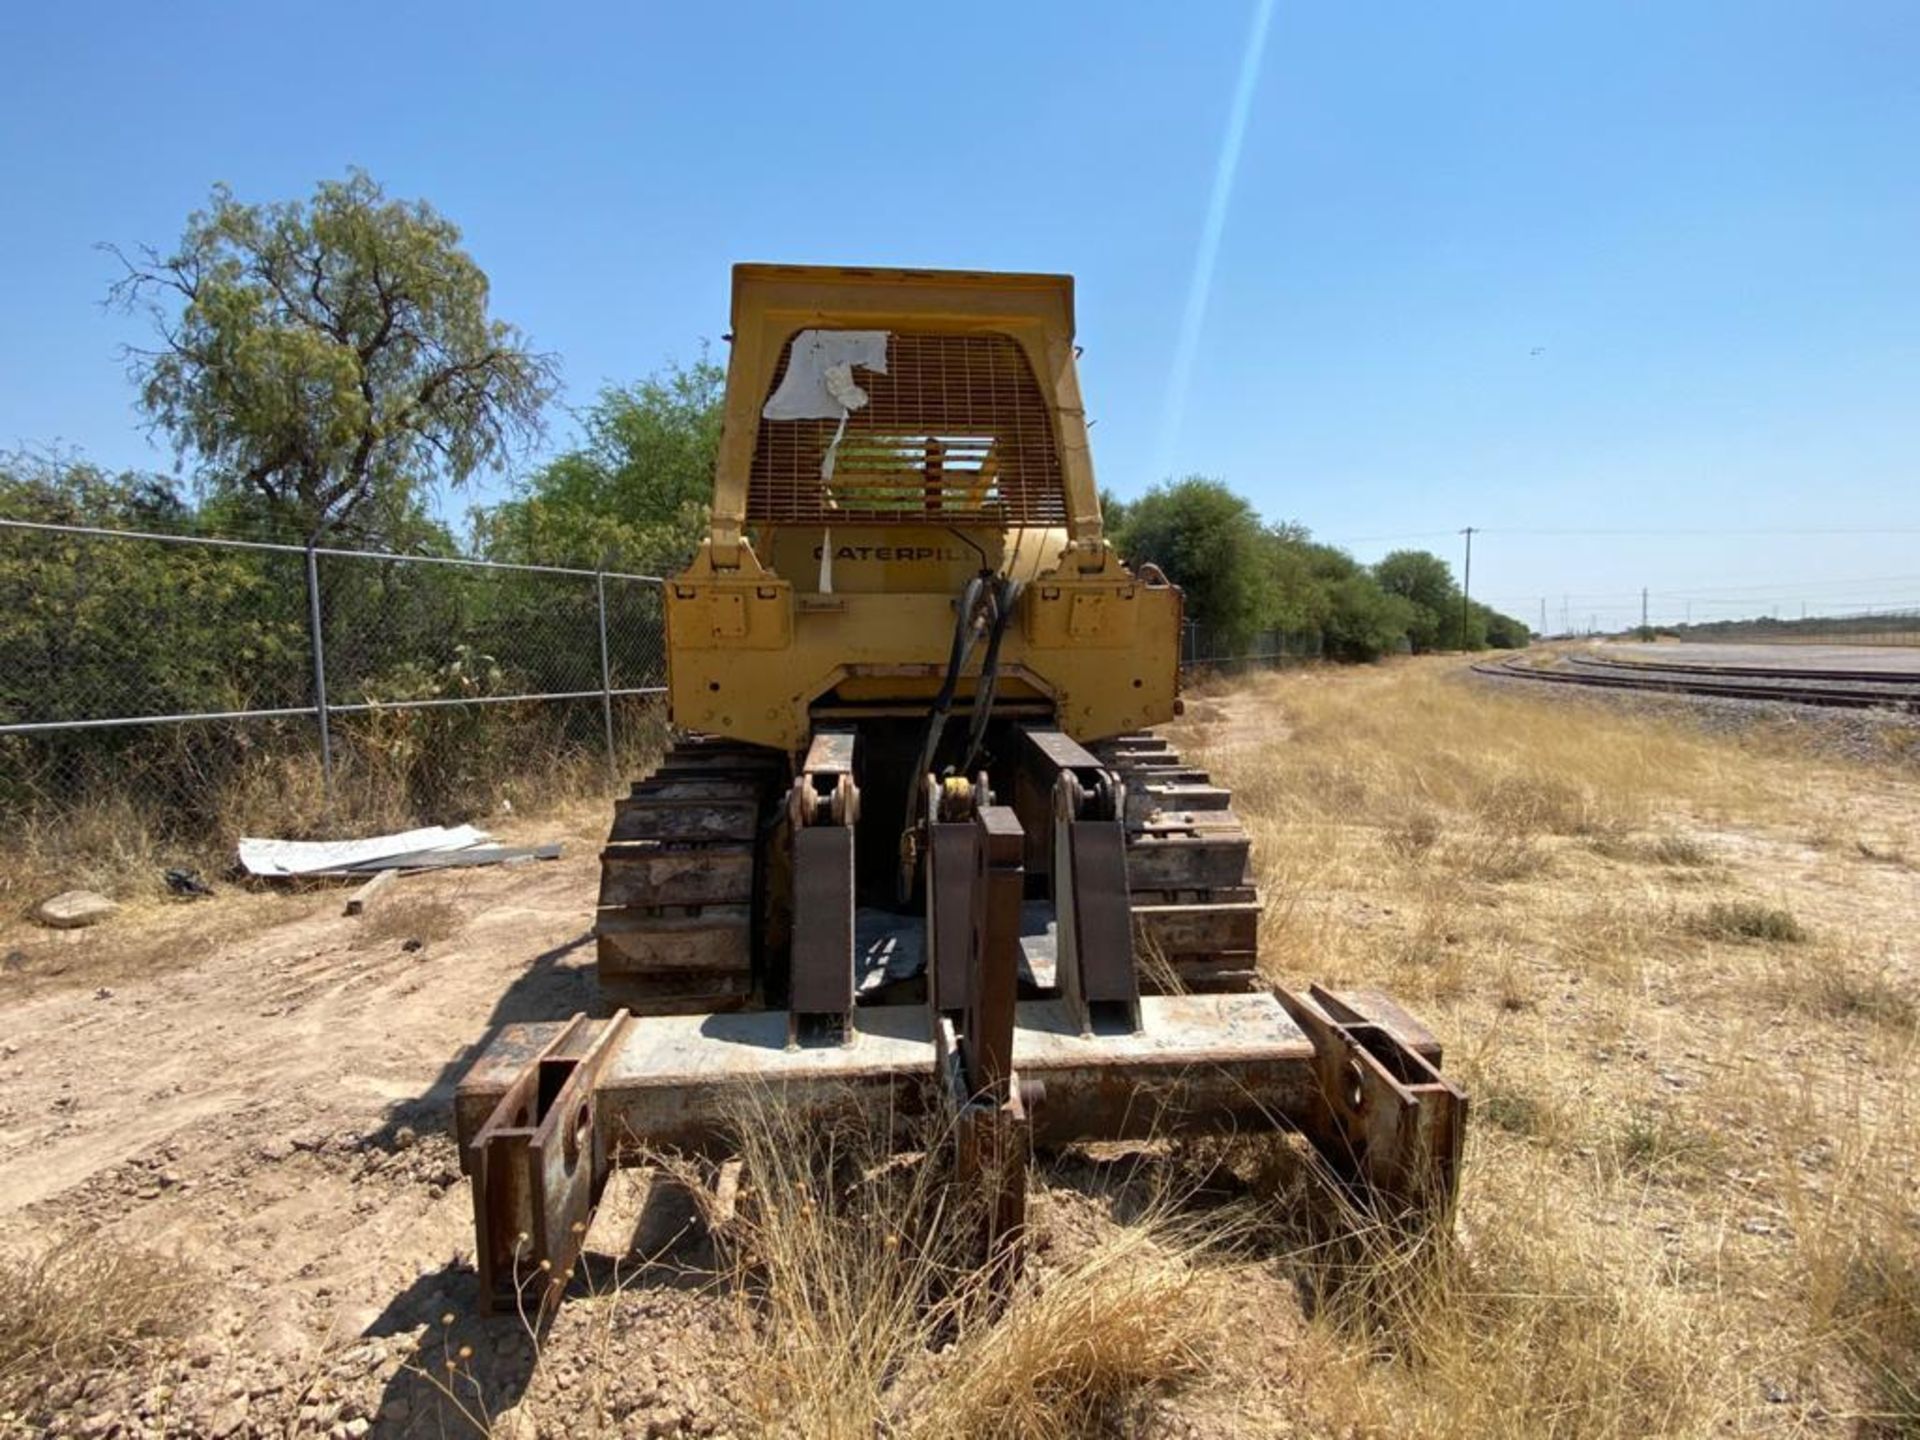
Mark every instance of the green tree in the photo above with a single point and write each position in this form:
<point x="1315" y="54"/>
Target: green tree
<point x="1357" y="619"/>
<point x="634" y="494"/>
<point x="92" y="626"/>
<point x="329" y="359"/>
<point x="1210" y="543"/>
<point x="1425" y="582"/>
<point x="1503" y="632"/>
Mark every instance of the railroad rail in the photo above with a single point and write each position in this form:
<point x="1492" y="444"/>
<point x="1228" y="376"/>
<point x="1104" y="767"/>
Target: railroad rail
<point x="1758" y="672"/>
<point x="1858" y="690"/>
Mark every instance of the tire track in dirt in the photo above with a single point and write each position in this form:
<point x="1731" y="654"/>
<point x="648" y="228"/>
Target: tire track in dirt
<point x="276" y="1109"/>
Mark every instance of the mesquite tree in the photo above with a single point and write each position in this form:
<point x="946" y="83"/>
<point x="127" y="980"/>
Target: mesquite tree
<point x="328" y="359"/>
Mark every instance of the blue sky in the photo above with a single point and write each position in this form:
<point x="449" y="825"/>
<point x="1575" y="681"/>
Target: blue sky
<point x="1636" y="288"/>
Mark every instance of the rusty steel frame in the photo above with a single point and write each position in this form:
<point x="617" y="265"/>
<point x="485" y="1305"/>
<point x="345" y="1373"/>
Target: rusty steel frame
<point x="1351" y="1072"/>
<point x="822" y="808"/>
<point x="1088" y="874"/>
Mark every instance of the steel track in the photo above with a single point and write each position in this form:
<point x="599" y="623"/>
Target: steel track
<point x="1758" y="672"/>
<point x="1787" y="686"/>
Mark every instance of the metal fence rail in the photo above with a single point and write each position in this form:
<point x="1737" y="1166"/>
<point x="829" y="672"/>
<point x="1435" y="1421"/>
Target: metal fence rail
<point x="110" y="637"/>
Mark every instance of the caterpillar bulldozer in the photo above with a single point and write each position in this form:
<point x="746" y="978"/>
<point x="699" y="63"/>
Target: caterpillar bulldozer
<point x="916" y="844"/>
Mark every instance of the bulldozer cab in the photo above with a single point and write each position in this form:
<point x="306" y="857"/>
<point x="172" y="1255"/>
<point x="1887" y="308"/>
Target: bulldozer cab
<point x="893" y="430"/>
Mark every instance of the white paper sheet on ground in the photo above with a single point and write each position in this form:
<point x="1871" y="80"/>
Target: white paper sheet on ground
<point x="309" y="857"/>
<point x="805" y="392"/>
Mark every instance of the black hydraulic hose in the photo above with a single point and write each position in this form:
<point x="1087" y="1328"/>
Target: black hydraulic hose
<point x="1006" y="597"/>
<point x="943" y="702"/>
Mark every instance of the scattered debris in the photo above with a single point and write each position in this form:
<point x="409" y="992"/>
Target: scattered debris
<point x="319" y="857"/>
<point x="73" y="909"/>
<point x="187" y="883"/>
<point x="435" y="847"/>
<point x="358" y="901"/>
<point x="453" y="859"/>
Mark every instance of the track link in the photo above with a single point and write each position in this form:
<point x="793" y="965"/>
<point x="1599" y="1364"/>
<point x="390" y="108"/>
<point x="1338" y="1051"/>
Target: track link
<point x="680" y="877"/>
<point x="1196" y="912"/>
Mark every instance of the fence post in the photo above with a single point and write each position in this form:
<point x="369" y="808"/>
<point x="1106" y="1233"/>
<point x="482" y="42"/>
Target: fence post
<point x="606" y="681"/>
<point x="319" y="670"/>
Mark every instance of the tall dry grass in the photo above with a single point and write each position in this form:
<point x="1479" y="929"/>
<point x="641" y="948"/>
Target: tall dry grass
<point x="118" y="823"/>
<point x="1677" y="974"/>
<point x="865" y="1307"/>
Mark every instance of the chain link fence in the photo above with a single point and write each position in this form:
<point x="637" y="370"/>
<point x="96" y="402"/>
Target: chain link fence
<point x="192" y="689"/>
<point x="1204" y="649"/>
<point x="165" y="694"/>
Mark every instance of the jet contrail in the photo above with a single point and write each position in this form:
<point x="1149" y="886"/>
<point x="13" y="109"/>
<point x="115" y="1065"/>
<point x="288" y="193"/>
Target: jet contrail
<point x="1209" y="252"/>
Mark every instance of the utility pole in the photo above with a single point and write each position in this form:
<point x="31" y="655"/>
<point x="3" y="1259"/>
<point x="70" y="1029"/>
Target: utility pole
<point x="1566" y="616"/>
<point x="1466" y="587"/>
<point x="1543" y="614"/>
<point x="1643" y="607"/>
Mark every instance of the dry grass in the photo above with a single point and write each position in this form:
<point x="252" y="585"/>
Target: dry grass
<point x="119" y="832"/>
<point x="1691" y="1203"/>
<point x="864" y="1307"/>
<point x="83" y="1302"/>
<point x="1130" y="1320"/>
<point x="1746" y="920"/>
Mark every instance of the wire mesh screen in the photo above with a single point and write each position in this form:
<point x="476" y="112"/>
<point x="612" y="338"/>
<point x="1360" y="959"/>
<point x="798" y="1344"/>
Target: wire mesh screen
<point x="957" y="427"/>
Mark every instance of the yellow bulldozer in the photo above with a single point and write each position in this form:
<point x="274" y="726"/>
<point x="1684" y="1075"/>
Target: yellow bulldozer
<point x="915" y="843"/>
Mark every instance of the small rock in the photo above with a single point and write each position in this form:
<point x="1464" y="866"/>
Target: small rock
<point x="103" y="993"/>
<point x="73" y="909"/>
<point x="404" y="1137"/>
<point x="412" y="945"/>
<point x="356" y="1427"/>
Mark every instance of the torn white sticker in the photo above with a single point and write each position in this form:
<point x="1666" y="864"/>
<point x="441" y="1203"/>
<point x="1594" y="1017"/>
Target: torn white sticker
<point x="819" y="383"/>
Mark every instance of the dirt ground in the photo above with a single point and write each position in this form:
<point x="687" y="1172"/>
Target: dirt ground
<point x="261" y="1088"/>
<point x="256" y="1088"/>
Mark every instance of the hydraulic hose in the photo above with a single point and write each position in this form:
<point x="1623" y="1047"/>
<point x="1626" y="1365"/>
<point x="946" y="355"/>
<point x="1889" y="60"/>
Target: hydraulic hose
<point x="1005" y="598"/>
<point x="937" y="715"/>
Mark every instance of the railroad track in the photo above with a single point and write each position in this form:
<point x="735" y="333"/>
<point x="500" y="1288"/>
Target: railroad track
<point x="1903" y="678"/>
<point x="1853" y="689"/>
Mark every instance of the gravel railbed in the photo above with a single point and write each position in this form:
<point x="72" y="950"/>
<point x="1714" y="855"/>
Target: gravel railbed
<point x="1863" y="735"/>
